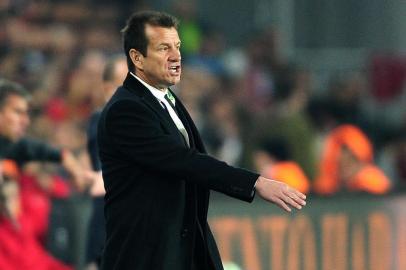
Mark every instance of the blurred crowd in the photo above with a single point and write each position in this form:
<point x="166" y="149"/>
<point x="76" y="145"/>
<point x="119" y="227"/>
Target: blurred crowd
<point x="253" y="107"/>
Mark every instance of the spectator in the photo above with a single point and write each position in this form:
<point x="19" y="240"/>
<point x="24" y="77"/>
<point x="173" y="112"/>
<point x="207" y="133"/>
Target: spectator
<point x="272" y="159"/>
<point x="113" y="75"/>
<point x="286" y="118"/>
<point x="347" y="164"/>
<point x="14" y="121"/>
<point x="19" y="247"/>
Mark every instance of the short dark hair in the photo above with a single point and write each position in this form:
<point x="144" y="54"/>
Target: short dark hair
<point x="276" y="147"/>
<point x="8" y="88"/>
<point x="134" y="32"/>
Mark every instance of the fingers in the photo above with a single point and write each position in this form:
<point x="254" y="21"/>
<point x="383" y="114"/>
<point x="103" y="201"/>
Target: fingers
<point x="282" y="204"/>
<point x="293" y="203"/>
<point x="297" y="197"/>
<point x="299" y="194"/>
<point x="294" y="198"/>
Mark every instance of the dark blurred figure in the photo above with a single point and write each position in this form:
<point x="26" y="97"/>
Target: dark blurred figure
<point x="209" y="56"/>
<point x="400" y="163"/>
<point x="221" y="130"/>
<point x="392" y="157"/>
<point x="272" y="158"/>
<point x="342" y="104"/>
<point x="264" y="62"/>
<point x="114" y="74"/>
<point x="286" y="117"/>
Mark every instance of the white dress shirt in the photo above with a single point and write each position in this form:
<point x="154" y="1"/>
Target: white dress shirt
<point x="160" y="96"/>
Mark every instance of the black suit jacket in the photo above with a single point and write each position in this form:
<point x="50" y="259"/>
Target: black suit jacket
<point x="157" y="188"/>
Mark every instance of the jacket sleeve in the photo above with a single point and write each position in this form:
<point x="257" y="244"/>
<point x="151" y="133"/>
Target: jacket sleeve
<point x="33" y="150"/>
<point x="136" y="132"/>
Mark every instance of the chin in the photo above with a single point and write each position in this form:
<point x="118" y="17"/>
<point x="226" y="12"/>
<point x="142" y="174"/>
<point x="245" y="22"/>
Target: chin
<point x="171" y="83"/>
<point x="176" y="80"/>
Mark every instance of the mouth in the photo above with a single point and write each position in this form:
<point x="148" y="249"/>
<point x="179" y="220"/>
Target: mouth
<point x="175" y="69"/>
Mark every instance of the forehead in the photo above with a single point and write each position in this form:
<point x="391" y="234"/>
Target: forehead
<point x="157" y="35"/>
<point x="15" y="100"/>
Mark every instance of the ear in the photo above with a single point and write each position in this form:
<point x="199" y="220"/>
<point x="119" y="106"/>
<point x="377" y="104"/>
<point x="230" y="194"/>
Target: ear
<point x="137" y="58"/>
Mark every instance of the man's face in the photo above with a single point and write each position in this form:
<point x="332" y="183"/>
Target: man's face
<point x="161" y="67"/>
<point x="14" y="118"/>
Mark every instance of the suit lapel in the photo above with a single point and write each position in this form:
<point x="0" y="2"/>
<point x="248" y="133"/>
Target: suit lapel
<point x="180" y="109"/>
<point x="133" y="85"/>
<point x="195" y="139"/>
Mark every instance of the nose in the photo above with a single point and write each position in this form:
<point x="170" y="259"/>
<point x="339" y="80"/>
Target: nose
<point x="175" y="55"/>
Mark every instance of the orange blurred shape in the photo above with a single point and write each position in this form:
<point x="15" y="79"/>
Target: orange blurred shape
<point x="10" y="168"/>
<point x="370" y="178"/>
<point x="290" y="173"/>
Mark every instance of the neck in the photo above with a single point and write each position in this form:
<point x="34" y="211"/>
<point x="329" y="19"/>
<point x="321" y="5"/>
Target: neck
<point x="142" y="77"/>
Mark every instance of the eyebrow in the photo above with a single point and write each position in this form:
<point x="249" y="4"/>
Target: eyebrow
<point x="168" y="44"/>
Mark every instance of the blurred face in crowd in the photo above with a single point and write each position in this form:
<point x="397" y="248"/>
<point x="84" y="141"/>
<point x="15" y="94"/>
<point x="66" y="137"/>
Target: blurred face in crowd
<point x="14" y="118"/>
<point x="161" y="66"/>
<point x="262" y="160"/>
<point x="348" y="164"/>
<point x="119" y="74"/>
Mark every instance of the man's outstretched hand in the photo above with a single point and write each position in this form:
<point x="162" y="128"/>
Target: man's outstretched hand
<point x="280" y="194"/>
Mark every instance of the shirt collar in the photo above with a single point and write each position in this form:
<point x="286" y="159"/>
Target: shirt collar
<point x="159" y="94"/>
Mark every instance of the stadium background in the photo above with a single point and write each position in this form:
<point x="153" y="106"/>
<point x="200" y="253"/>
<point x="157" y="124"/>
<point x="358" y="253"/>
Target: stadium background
<point x="350" y="53"/>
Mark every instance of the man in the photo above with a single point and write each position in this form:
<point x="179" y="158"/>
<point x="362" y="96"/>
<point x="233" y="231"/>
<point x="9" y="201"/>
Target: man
<point x="155" y="170"/>
<point x="113" y="75"/>
<point x="14" y="121"/>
